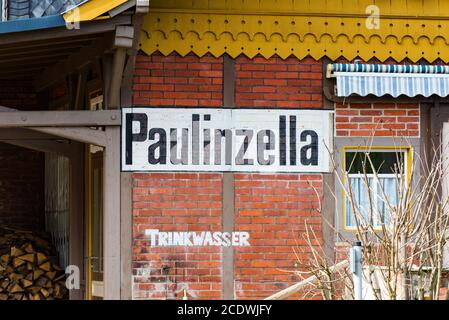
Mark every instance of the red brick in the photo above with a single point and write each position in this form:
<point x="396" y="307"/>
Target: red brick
<point x="289" y="84"/>
<point x="180" y="81"/>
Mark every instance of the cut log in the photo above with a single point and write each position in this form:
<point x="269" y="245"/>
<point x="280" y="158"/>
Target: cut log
<point x="17" y="296"/>
<point x="37" y="274"/>
<point x="41" y="258"/>
<point x="29" y="276"/>
<point x="27" y="257"/>
<point x="4" y="283"/>
<point x="28" y="268"/>
<point x="16" y="276"/>
<point x="42" y="281"/>
<point x="4" y="258"/>
<point x="45" y="266"/>
<point x="28" y="248"/>
<point x="45" y="293"/>
<point x="16" y="252"/>
<point x="16" y="262"/>
<point x="16" y="288"/>
<point x="34" y="290"/>
<point x="26" y="283"/>
<point x="50" y="275"/>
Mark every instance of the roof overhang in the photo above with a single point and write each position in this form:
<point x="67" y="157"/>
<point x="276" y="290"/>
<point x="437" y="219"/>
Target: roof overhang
<point x="27" y="54"/>
<point x="94" y="9"/>
<point x="22" y="25"/>
<point x="88" y="10"/>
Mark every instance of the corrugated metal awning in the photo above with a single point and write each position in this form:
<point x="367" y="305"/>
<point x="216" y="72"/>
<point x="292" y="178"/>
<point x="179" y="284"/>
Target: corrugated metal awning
<point x="393" y="80"/>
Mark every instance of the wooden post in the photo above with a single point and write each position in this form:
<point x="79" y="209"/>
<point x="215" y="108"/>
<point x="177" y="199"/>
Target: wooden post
<point x="111" y="215"/>
<point x="228" y="188"/>
<point x="445" y="179"/>
<point x="76" y="214"/>
<point x="126" y="235"/>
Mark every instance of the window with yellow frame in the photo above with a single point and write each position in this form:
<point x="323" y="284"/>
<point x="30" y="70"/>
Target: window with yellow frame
<point x="388" y="163"/>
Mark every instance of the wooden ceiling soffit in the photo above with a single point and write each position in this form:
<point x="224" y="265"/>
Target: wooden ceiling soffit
<point x="73" y="62"/>
<point x="391" y="29"/>
<point x="86" y="28"/>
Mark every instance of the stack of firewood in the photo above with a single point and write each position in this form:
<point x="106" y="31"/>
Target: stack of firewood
<point x="28" y="270"/>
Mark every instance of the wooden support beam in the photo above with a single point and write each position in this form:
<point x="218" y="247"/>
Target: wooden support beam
<point x="34" y="140"/>
<point x="111" y="216"/>
<point x="64" y="149"/>
<point x="34" y="58"/>
<point x="49" y="129"/>
<point x="60" y="118"/>
<point x="126" y="91"/>
<point x="284" y="294"/>
<point x="124" y="39"/>
<point x="26" y="64"/>
<point x="85" y="135"/>
<point x="49" y="44"/>
<point x="107" y="76"/>
<point x="118" y="66"/>
<point x="80" y="89"/>
<point x="23" y="134"/>
<point x="73" y="63"/>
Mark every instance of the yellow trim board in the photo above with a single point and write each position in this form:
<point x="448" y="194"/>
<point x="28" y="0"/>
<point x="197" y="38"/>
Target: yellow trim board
<point x="91" y="10"/>
<point x="407" y="29"/>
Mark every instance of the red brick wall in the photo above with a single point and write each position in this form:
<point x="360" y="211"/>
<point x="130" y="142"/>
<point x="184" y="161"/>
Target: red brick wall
<point x="176" y="202"/>
<point x="378" y="119"/>
<point x="21" y="187"/>
<point x="17" y="94"/>
<point x="21" y="170"/>
<point x="278" y="83"/>
<point x="273" y="208"/>
<point x="178" y="81"/>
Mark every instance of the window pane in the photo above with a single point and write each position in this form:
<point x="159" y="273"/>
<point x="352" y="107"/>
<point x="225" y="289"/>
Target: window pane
<point x="377" y="211"/>
<point x="390" y="188"/>
<point x="383" y="161"/>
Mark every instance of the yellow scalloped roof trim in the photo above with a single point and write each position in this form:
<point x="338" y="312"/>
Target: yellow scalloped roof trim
<point x="169" y="30"/>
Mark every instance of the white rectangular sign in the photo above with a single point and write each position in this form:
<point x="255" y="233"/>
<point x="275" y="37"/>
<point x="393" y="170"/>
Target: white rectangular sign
<point x="241" y="140"/>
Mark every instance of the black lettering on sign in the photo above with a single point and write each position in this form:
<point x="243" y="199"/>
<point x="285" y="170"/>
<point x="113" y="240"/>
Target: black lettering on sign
<point x="195" y="139"/>
<point x="282" y="141"/>
<point x="313" y="147"/>
<point x="163" y="139"/>
<point x="263" y="146"/>
<point x="293" y="140"/>
<point x="206" y="142"/>
<point x="227" y="134"/>
<point x="131" y="137"/>
<point x="174" y="159"/>
<point x="239" y="159"/>
<point x="160" y="145"/>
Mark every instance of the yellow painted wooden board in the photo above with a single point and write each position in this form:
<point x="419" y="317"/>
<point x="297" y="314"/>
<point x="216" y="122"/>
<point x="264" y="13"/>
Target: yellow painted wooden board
<point x="91" y="10"/>
<point x="341" y="28"/>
